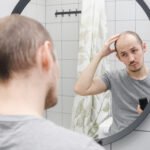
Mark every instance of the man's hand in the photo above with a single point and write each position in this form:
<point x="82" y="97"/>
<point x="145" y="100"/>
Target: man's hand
<point x="106" y="50"/>
<point x="139" y="110"/>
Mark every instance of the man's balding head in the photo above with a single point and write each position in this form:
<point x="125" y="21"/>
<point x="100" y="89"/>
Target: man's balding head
<point x="124" y="35"/>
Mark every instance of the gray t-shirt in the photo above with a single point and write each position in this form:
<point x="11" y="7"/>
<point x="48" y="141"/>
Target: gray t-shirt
<point x="126" y="93"/>
<point x="37" y="133"/>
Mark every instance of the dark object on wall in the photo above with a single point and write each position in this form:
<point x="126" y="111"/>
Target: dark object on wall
<point x="20" y="6"/>
<point x="62" y="13"/>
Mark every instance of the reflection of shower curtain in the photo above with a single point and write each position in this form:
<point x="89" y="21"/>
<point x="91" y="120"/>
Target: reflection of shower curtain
<point x="90" y="111"/>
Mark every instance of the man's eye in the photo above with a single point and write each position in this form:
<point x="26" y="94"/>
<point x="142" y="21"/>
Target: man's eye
<point x="134" y="50"/>
<point x="123" y="55"/>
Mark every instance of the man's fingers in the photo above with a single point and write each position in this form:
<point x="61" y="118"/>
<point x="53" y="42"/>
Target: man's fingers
<point x="139" y="110"/>
<point x="113" y="50"/>
<point x="113" y="39"/>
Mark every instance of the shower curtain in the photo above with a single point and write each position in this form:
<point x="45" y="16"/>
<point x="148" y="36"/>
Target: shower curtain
<point x="89" y="112"/>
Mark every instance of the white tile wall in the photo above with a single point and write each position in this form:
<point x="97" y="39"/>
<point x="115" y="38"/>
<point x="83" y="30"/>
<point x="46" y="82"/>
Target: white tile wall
<point x="69" y="68"/>
<point x="41" y="2"/>
<point x="140" y="14"/>
<point x="6" y="7"/>
<point x="60" y="86"/>
<point x="66" y="120"/>
<point x="69" y="1"/>
<point x="69" y="49"/>
<point x="50" y="11"/>
<point x="110" y="10"/>
<point x="147" y="2"/>
<point x="107" y="147"/>
<point x="142" y="28"/>
<point x="134" y="141"/>
<point x="64" y="32"/>
<point x="125" y="10"/>
<point x="67" y="104"/>
<point x="58" y="49"/>
<point x="125" y="25"/>
<point x="58" y="106"/>
<point x="53" y="2"/>
<point x="55" y="117"/>
<point x="111" y="27"/>
<point x="70" y="31"/>
<point x="145" y="125"/>
<point x="35" y="10"/>
<point x="33" y="1"/>
<point x="147" y="53"/>
<point x="68" y="86"/>
<point x="55" y="31"/>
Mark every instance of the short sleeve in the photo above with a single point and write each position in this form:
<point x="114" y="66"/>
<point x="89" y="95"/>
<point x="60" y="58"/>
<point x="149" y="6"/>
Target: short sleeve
<point x="106" y="78"/>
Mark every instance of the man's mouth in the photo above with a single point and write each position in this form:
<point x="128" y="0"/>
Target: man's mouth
<point x="133" y="64"/>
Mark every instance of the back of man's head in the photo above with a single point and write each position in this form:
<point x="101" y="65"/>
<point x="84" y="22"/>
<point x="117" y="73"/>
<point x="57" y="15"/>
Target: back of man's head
<point x="20" y="37"/>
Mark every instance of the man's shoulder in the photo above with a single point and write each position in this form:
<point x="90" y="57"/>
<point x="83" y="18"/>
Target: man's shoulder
<point x="116" y="74"/>
<point x="52" y="135"/>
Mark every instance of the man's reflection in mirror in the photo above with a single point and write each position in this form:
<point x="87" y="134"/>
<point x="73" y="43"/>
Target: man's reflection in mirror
<point x="127" y="85"/>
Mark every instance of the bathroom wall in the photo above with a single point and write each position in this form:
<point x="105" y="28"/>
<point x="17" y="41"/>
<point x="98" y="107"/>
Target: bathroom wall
<point x="35" y="9"/>
<point x="64" y="32"/>
<point x="6" y="7"/>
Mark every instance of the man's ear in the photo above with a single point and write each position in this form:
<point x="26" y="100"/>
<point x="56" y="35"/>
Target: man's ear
<point x="144" y="47"/>
<point x="46" y="56"/>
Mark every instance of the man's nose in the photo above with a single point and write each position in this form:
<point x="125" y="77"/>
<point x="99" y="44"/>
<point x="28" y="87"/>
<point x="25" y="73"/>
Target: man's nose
<point x="131" y="58"/>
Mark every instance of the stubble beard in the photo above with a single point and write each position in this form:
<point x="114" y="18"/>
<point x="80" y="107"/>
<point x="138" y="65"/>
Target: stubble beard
<point x="51" y="98"/>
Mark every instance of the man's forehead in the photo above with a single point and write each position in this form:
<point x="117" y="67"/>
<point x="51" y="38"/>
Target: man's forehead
<point x="126" y="43"/>
<point x="126" y="40"/>
<point x="127" y="37"/>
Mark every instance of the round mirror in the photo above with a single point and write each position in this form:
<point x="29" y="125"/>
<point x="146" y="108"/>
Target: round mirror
<point x="118" y="22"/>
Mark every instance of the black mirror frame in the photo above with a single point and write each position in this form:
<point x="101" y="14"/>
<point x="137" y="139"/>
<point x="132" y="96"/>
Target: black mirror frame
<point x="126" y="131"/>
<point x="19" y="8"/>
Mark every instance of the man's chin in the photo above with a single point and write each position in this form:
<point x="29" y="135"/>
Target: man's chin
<point x="135" y="70"/>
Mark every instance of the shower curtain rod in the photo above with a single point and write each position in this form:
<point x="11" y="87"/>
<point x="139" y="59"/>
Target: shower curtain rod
<point x="62" y="13"/>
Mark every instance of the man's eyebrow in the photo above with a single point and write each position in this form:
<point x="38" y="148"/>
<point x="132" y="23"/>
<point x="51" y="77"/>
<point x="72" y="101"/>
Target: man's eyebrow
<point x="133" y="48"/>
<point x="123" y="52"/>
<point x="129" y="49"/>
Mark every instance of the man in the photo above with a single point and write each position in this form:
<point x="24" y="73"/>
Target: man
<point x="28" y="85"/>
<point x="127" y="85"/>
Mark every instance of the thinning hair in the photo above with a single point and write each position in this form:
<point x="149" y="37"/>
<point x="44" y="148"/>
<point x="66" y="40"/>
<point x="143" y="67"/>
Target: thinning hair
<point x="131" y="33"/>
<point x="20" y="37"/>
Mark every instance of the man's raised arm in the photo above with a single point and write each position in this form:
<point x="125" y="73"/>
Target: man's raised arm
<point x="87" y="84"/>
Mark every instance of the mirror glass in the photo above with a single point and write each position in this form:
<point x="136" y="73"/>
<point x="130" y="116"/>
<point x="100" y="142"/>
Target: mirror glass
<point x="121" y="15"/>
<point x="127" y="15"/>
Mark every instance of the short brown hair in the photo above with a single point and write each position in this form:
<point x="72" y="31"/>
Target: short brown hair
<point x="131" y="33"/>
<point x="20" y="37"/>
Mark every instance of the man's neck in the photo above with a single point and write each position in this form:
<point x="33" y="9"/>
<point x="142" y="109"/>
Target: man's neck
<point x="21" y="97"/>
<point x="140" y="74"/>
